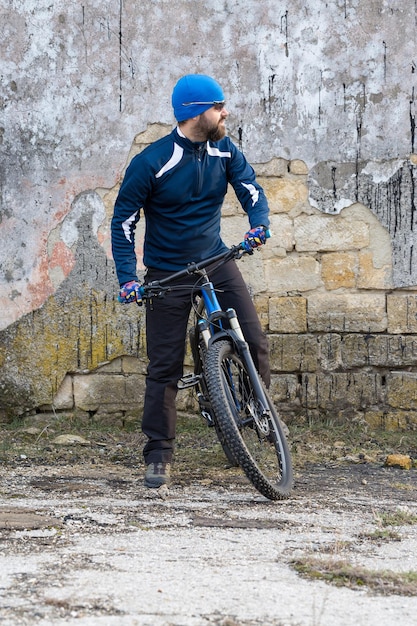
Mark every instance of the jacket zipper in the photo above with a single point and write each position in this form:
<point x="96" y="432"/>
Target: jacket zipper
<point x="199" y="165"/>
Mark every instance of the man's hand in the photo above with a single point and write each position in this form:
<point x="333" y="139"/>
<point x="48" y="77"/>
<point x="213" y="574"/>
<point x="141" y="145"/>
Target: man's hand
<point x="130" y="292"/>
<point x="254" y="237"/>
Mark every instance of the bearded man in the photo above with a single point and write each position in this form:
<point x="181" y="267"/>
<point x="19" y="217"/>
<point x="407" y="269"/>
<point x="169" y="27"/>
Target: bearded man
<point x="179" y="183"/>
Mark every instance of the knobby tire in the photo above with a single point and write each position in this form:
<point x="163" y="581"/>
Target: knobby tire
<point x="199" y="352"/>
<point x="258" y="445"/>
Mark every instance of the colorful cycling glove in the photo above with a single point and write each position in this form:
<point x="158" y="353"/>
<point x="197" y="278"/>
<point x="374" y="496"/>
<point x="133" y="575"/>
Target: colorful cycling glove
<point x="130" y="292"/>
<point x="254" y="237"/>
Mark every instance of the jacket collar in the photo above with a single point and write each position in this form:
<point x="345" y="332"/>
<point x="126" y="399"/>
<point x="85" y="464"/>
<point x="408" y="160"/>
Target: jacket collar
<point x="187" y="143"/>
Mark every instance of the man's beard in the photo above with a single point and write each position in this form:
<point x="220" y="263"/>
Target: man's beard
<point x="213" y="132"/>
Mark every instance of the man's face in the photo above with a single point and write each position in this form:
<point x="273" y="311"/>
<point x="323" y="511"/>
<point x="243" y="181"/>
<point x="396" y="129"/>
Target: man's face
<point x="212" y="123"/>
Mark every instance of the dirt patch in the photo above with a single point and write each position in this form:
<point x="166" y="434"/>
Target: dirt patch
<point x="83" y="542"/>
<point x="20" y="519"/>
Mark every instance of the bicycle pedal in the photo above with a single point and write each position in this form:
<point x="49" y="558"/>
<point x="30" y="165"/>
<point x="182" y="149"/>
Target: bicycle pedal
<point x="189" y="380"/>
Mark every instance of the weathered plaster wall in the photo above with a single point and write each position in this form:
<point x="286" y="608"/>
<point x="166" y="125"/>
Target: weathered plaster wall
<point x="329" y="86"/>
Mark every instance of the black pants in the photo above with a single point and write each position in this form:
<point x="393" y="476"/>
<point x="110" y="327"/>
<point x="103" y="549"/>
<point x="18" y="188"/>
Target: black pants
<point x="166" y="329"/>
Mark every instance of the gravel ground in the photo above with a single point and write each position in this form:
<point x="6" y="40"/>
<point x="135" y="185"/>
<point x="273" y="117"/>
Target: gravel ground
<point x="89" y="545"/>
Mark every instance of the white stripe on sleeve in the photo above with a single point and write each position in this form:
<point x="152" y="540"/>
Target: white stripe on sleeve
<point x="127" y="226"/>
<point x="253" y="192"/>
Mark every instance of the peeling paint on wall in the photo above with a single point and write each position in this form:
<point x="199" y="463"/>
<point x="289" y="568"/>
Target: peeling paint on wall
<point x="388" y="189"/>
<point x="319" y="82"/>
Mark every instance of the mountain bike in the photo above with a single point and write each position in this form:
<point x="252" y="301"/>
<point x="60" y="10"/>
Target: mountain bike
<point x="231" y="395"/>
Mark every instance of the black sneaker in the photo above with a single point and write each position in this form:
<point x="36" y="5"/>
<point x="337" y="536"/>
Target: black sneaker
<point x="157" y="474"/>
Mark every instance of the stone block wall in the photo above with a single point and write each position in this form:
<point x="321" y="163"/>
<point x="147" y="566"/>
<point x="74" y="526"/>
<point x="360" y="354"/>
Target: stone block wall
<point x="343" y="341"/>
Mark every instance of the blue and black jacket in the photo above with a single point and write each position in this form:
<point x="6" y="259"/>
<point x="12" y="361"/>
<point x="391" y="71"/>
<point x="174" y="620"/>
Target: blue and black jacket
<point x="180" y="186"/>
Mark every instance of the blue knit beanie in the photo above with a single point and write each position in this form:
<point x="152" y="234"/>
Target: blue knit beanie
<point x="195" y="88"/>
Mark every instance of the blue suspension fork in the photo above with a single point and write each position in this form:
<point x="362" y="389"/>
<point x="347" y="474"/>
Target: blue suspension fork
<point x="207" y="329"/>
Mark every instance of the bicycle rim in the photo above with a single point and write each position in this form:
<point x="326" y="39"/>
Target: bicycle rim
<point x="256" y="441"/>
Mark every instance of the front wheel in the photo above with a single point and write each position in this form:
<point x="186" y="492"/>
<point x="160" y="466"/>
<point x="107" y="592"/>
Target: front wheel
<point x="199" y="351"/>
<point x="255" y="437"/>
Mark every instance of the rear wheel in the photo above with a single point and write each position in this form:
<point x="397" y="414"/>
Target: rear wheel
<point x="255" y="438"/>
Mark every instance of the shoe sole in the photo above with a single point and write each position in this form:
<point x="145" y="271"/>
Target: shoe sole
<point x="150" y="485"/>
<point x="155" y="484"/>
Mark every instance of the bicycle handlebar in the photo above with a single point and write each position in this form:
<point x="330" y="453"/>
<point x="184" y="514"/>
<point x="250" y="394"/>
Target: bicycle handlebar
<point x="154" y="286"/>
<point x="234" y="252"/>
